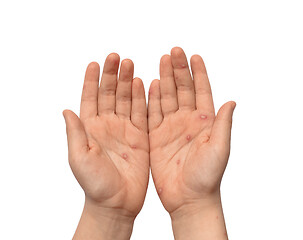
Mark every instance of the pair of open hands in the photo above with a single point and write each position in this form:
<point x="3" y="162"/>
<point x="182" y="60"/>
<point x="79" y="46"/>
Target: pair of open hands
<point x="117" y="138"/>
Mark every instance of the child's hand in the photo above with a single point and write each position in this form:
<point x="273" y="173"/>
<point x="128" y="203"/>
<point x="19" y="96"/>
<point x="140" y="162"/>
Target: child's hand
<point x="109" y="148"/>
<point x="189" y="146"/>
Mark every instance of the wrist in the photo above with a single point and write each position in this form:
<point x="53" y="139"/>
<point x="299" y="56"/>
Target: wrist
<point x="98" y="222"/>
<point x="200" y="219"/>
<point x="196" y="206"/>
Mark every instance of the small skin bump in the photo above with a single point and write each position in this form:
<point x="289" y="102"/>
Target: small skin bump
<point x="160" y="191"/>
<point x="178" y="161"/>
<point x="188" y="137"/>
<point x="124" y="156"/>
<point x="183" y="66"/>
<point x="133" y="146"/>
<point x="203" y="116"/>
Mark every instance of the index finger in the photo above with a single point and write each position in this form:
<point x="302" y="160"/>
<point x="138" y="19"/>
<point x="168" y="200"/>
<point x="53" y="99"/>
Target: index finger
<point x="204" y="99"/>
<point x="89" y="100"/>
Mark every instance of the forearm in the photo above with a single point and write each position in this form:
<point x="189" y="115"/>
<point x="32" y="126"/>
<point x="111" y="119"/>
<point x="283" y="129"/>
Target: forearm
<point x="100" y="224"/>
<point x="200" y="220"/>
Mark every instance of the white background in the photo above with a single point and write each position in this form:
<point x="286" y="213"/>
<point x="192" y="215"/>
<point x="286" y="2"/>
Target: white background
<point x="253" y="53"/>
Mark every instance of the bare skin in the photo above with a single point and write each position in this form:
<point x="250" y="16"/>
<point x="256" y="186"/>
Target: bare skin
<point x="189" y="146"/>
<point x="109" y="150"/>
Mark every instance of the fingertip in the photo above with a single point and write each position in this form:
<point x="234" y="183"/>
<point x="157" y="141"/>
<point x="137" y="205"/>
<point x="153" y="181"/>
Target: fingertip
<point x="66" y="117"/>
<point x="113" y="56"/>
<point x="127" y="67"/>
<point x="155" y="82"/>
<point x="176" y="51"/>
<point x="178" y="58"/>
<point x="154" y="87"/>
<point x="226" y="111"/>
<point x="166" y="68"/>
<point x="165" y="58"/>
<point x="197" y="64"/>
<point x="111" y="64"/>
<point x="137" y="81"/>
<point x="113" y="59"/>
<point x="137" y="85"/>
<point x="196" y="58"/>
<point x="234" y="104"/>
<point x="231" y="104"/>
<point x="66" y="112"/>
<point x="127" y="62"/>
<point x="93" y="66"/>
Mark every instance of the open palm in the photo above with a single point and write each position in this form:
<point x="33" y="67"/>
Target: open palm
<point x="108" y="145"/>
<point x="189" y="144"/>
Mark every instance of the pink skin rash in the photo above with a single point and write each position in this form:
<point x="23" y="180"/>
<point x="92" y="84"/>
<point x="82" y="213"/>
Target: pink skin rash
<point x="203" y="116"/>
<point x="178" y="162"/>
<point x="133" y="146"/>
<point x="183" y="65"/>
<point x="124" y="156"/>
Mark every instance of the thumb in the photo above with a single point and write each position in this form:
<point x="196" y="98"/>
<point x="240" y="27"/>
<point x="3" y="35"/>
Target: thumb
<point x="76" y="137"/>
<point x="221" y="130"/>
